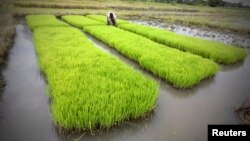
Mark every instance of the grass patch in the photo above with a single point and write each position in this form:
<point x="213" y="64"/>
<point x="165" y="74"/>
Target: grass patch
<point x="110" y="4"/>
<point x="103" y="19"/>
<point x="219" y="52"/>
<point x="181" y="69"/>
<point x="233" y="19"/>
<point x="62" y="4"/>
<point x="80" y="21"/>
<point x="89" y="88"/>
<point x="20" y="11"/>
<point x="35" y="21"/>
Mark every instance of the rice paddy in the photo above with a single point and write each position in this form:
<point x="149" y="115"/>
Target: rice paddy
<point x="89" y="88"/>
<point x="35" y="21"/>
<point x="93" y="88"/>
<point x="182" y="70"/>
<point x="80" y="21"/>
<point x="219" y="52"/>
<point x="96" y="90"/>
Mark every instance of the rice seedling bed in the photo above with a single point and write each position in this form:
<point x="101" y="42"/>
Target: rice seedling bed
<point x="80" y="21"/>
<point x="103" y="19"/>
<point x="219" y="52"/>
<point x="89" y="88"/>
<point x="181" y="69"/>
<point x="35" y="21"/>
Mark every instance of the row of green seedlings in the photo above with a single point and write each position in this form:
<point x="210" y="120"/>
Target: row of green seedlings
<point x="89" y="88"/>
<point x="80" y="21"/>
<point x="217" y="51"/>
<point x="103" y="19"/>
<point x="181" y="69"/>
<point x="35" y="21"/>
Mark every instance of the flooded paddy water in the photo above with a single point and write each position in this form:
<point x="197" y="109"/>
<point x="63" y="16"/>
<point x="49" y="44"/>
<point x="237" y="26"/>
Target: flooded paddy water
<point x="180" y="115"/>
<point x="24" y="105"/>
<point x="228" y="38"/>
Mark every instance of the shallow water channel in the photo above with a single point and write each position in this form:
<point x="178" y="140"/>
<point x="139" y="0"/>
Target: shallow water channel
<point x="180" y="115"/>
<point x="24" y="106"/>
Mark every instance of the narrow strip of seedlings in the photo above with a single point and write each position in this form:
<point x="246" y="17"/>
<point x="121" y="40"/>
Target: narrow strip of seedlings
<point x="219" y="52"/>
<point x="35" y="21"/>
<point x="80" y="21"/>
<point x="103" y="19"/>
<point x="181" y="69"/>
<point x="89" y="88"/>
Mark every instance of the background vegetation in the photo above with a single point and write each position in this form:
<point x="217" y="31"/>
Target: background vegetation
<point x="211" y="3"/>
<point x="220" y="18"/>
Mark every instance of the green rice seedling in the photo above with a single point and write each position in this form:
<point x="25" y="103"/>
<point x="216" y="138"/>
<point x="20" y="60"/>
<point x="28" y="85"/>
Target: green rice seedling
<point x="80" y="21"/>
<point x="219" y="52"/>
<point x="89" y="88"/>
<point x="103" y="19"/>
<point x="181" y="69"/>
<point x="35" y="21"/>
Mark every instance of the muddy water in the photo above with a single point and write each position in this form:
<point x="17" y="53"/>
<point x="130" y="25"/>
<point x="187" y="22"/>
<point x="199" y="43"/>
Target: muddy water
<point x="228" y="38"/>
<point x="180" y="115"/>
<point x="24" y="107"/>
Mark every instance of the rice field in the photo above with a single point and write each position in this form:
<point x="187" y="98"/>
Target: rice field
<point x="96" y="90"/>
<point x="219" y="52"/>
<point x="182" y="70"/>
<point x="89" y="88"/>
<point x="80" y="21"/>
<point x="35" y="21"/>
<point x="66" y="85"/>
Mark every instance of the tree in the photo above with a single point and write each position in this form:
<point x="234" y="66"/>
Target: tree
<point x="214" y="3"/>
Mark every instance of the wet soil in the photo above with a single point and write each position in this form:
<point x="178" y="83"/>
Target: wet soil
<point x="242" y="41"/>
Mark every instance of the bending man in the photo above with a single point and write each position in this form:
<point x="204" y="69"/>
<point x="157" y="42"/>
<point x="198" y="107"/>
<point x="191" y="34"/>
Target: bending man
<point x="111" y="19"/>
